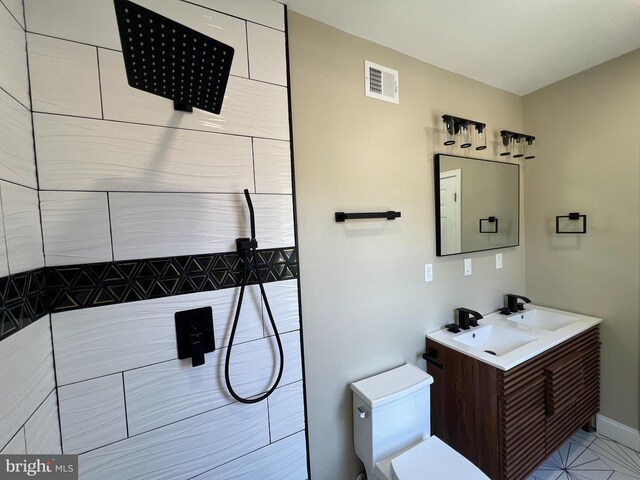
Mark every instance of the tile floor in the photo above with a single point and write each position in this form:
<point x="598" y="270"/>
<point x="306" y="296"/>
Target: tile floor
<point x="589" y="456"/>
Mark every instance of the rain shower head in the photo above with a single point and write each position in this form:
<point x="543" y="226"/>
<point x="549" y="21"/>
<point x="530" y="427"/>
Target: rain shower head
<point x="168" y="59"/>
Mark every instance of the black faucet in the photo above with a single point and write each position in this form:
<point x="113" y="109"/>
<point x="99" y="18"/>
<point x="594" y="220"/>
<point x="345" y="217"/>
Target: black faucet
<point x="511" y="301"/>
<point x="467" y="318"/>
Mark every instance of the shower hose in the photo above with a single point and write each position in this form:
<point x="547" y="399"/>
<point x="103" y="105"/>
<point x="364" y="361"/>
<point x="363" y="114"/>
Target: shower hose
<point x="245" y="246"/>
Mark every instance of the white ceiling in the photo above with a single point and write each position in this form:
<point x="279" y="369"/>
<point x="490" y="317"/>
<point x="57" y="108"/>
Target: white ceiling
<point x="516" y="45"/>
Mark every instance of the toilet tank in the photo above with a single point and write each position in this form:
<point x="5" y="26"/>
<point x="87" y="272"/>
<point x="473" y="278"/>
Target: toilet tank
<point x="390" y="412"/>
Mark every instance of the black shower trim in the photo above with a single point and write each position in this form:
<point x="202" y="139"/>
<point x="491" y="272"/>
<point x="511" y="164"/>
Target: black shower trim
<point x="28" y="296"/>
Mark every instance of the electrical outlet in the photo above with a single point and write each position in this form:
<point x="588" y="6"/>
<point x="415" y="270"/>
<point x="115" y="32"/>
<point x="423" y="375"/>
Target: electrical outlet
<point x="428" y="273"/>
<point x="467" y="267"/>
<point x="498" y="261"/>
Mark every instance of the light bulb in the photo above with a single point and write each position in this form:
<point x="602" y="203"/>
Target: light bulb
<point x="465" y="135"/>
<point x="480" y="137"/>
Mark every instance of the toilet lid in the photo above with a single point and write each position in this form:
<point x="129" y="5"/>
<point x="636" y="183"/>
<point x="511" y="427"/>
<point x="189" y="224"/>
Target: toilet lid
<point x="433" y="459"/>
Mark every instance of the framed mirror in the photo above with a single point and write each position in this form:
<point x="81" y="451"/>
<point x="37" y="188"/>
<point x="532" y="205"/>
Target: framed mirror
<point x="477" y="204"/>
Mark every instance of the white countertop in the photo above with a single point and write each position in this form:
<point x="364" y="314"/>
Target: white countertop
<point x="545" y="339"/>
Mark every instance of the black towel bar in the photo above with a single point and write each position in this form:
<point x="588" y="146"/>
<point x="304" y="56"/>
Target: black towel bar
<point x="390" y="215"/>
<point x="572" y="216"/>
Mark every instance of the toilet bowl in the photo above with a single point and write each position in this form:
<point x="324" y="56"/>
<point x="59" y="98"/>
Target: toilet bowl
<point x="392" y="430"/>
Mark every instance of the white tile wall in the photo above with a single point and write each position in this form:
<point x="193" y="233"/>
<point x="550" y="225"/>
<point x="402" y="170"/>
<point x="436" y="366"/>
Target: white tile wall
<point x="92" y="22"/>
<point x="251" y="382"/>
<point x="286" y="411"/>
<point x="17" y="445"/>
<point x="270" y="13"/>
<point x="121" y="337"/>
<point x="113" y="338"/>
<point x="267" y="54"/>
<point x="174" y="390"/>
<point x="283" y="300"/>
<point x="64" y="77"/>
<point x="16" y="142"/>
<point x="170" y="391"/>
<point x="224" y="304"/>
<point x="254" y="108"/>
<point x="16" y="9"/>
<point x="42" y="430"/>
<point x="283" y="460"/>
<point x="92" y="413"/>
<point x="27" y="375"/>
<point x="292" y="358"/>
<point x="274" y="220"/>
<point x="75" y="226"/>
<point x="4" y="262"/>
<point x="164" y="191"/>
<point x="83" y="154"/>
<point x="13" y="59"/>
<point x="224" y="28"/>
<point x="272" y="165"/>
<point x="250" y="108"/>
<point x="184" y="449"/>
<point x="22" y="227"/>
<point x="156" y="225"/>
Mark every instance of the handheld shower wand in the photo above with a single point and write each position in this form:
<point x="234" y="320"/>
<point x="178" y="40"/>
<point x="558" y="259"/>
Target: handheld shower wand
<point x="246" y="246"/>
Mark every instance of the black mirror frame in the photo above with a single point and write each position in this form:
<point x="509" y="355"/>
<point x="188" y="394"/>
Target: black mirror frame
<point x="436" y="191"/>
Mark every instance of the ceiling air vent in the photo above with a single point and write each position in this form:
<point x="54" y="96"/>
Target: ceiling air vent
<point x="381" y="82"/>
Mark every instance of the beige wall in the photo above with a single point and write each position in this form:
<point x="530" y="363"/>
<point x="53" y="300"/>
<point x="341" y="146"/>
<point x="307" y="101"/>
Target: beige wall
<point x="365" y="305"/>
<point x="588" y="160"/>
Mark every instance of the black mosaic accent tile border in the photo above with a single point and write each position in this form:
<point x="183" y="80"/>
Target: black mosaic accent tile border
<point x="28" y="296"/>
<point x="97" y="284"/>
<point x="23" y="300"/>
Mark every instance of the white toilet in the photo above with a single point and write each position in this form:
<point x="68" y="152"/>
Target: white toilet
<point x="392" y="430"/>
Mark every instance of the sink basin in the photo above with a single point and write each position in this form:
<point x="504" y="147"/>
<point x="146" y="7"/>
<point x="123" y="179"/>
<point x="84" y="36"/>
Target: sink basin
<point x="543" y="319"/>
<point x="515" y="338"/>
<point x="494" y="339"/>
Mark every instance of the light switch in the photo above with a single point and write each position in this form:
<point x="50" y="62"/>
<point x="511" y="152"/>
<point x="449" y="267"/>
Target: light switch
<point x="428" y="273"/>
<point x="498" y="261"/>
<point x="467" y="267"/>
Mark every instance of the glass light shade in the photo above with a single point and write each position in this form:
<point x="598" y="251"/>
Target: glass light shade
<point x="465" y="135"/>
<point x="529" y="150"/>
<point x="518" y="147"/>
<point x="448" y="131"/>
<point x="505" y="144"/>
<point x="480" y="137"/>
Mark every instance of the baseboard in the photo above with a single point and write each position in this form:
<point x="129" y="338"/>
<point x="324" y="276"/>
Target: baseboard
<point x="627" y="436"/>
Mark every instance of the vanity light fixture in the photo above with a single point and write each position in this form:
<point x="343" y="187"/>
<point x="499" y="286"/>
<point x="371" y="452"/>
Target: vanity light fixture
<point x="457" y="128"/>
<point x="449" y="130"/>
<point x="529" y="149"/>
<point x="465" y="135"/>
<point x="505" y="144"/>
<point x="518" y="144"/>
<point x="480" y="137"/>
<point x="518" y="150"/>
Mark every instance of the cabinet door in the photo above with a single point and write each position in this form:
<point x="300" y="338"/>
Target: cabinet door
<point x="572" y="387"/>
<point x="545" y="400"/>
<point x="464" y="407"/>
<point x="522" y="423"/>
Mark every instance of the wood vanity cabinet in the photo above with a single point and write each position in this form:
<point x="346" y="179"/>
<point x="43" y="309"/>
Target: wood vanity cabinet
<point x="508" y="422"/>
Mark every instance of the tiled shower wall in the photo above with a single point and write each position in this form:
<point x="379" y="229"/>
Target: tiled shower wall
<point x="28" y="402"/>
<point x="123" y="176"/>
